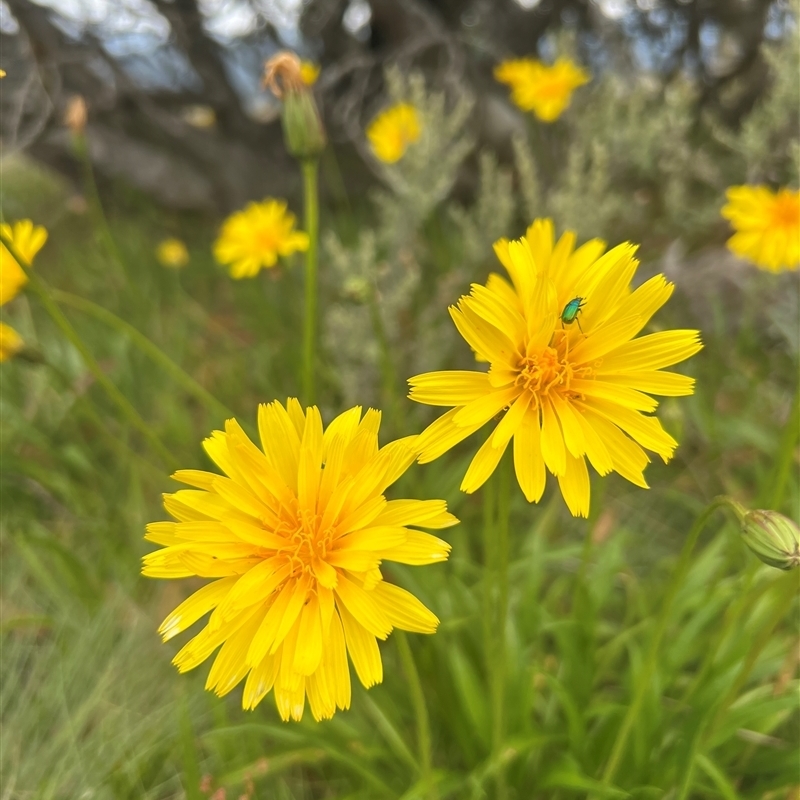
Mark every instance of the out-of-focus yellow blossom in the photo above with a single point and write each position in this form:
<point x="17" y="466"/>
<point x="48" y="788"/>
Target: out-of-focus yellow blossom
<point x="567" y="379"/>
<point x="293" y="535"/>
<point x="255" y="236"/>
<point x="544" y="90"/>
<point x="10" y="342"/>
<point x="309" y="72"/>
<point x="29" y="240"/>
<point x="2" y="73"/>
<point x="172" y="253"/>
<point x="393" y="130"/>
<point x="199" y="116"/>
<point x="767" y="226"/>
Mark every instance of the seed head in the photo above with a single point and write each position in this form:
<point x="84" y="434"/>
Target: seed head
<point x="303" y="131"/>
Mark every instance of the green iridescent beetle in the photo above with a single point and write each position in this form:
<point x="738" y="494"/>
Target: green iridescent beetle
<point x="571" y="310"/>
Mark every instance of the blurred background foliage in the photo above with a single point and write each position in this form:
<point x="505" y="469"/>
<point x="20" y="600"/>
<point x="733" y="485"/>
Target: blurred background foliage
<point x="687" y="98"/>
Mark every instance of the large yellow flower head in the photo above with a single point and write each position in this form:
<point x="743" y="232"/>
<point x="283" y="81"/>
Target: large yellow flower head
<point x="294" y="536"/>
<point x="254" y="238"/>
<point x="767" y="226"/>
<point x="393" y="130"/>
<point x="566" y="376"/>
<point x="29" y="240"/>
<point x="544" y="90"/>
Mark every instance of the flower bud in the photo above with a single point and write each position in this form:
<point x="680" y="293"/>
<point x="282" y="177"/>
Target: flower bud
<point x="775" y="539"/>
<point x="75" y="114"/>
<point x="303" y="131"/>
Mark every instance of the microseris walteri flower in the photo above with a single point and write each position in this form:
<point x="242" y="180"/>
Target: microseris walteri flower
<point x="294" y="534"/>
<point x="10" y="342"/>
<point x="393" y="130"/>
<point x="545" y="90"/>
<point x="254" y="238"/>
<point x="567" y="378"/>
<point x="767" y="226"/>
<point x="172" y="253"/>
<point x="28" y="239"/>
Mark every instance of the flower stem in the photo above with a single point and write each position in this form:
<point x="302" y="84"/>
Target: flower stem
<point x="41" y="290"/>
<point x="783" y="466"/>
<point x="81" y="146"/>
<point x="420" y="710"/>
<point x="678" y="576"/>
<point x="496" y="499"/>
<point x="311" y="201"/>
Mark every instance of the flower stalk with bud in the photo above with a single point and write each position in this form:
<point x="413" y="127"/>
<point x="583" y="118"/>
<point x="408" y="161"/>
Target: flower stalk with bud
<point x="305" y="139"/>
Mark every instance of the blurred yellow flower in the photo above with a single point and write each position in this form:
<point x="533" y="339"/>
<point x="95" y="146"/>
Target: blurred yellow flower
<point x="29" y="240"/>
<point x="767" y="226"/>
<point x="393" y="130"/>
<point x="10" y="342"/>
<point x="544" y="90"/>
<point x="566" y="373"/>
<point x="199" y="116"/>
<point x="254" y="238"/>
<point x="309" y="72"/>
<point x="294" y="537"/>
<point x="2" y="73"/>
<point x="172" y="253"/>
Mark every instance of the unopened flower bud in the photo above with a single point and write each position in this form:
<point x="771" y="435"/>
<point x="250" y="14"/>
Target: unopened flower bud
<point x="303" y="131"/>
<point x="775" y="539"/>
<point x="75" y="114"/>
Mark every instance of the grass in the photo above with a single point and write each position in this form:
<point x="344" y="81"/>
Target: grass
<point x="631" y="670"/>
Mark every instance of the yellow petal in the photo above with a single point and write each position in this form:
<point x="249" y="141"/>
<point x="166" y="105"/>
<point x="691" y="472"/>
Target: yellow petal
<point x="552" y="441"/>
<point x="404" y="610"/>
<point x="195" y="606"/>
<point x="441" y="435"/>
<point x="574" y="485"/>
<point x="362" y="606"/>
<point x="452" y="388"/>
<point x="528" y="461"/>
<point x="363" y="650"/>
<point x="419" y="548"/>
<point x="482" y="465"/>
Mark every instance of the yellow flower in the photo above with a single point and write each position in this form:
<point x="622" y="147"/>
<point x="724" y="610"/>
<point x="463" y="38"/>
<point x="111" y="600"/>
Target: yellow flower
<point x="294" y="537"/>
<point x="254" y="238"/>
<point x="565" y="390"/>
<point x="10" y="342"/>
<point x="309" y="72"/>
<point x="29" y="240"/>
<point x="172" y="253"/>
<point x="393" y="130"/>
<point x="544" y="90"/>
<point x="767" y="226"/>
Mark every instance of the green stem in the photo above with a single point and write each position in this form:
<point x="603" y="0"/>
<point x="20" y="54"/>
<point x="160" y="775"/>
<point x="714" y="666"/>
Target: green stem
<point x="41" y="290"/>
<point x="420" y="709"/>
<point x="678" y="576"/>
<point x="499" y="544"/>
<point x="311" y="200"/>
<point x="101" y="222"/>
<point x="148" y="347"/>
<point x="783" y="466"/>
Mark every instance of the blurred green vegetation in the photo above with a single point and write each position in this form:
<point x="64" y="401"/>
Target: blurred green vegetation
<point x="694" y="656"/>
